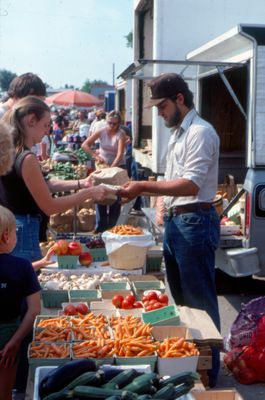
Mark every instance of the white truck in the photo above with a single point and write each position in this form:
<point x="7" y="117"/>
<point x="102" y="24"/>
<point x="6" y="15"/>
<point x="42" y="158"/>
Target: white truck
<point x="227" y="75"/>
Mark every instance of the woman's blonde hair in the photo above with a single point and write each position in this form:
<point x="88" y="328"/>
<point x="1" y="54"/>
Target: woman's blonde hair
<point x="115" y="114"/>
<point x="6" y="148"/>
<point x="7" y="220"/>
<point x="26" y="106"/>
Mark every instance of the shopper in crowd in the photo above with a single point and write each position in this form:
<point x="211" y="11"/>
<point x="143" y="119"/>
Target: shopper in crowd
<point x="22" y="86"/>
<point x="81" y="125"/>
<point x="25" y="188"/>
<point x="98" y="123"/>
<point x="111" y="152"/>
<point x="18" y="282"/>
<point x="191" y="223"/>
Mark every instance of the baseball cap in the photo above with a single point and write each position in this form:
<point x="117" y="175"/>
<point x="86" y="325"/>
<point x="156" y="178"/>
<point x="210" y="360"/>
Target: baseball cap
<point x="165" y="86"/>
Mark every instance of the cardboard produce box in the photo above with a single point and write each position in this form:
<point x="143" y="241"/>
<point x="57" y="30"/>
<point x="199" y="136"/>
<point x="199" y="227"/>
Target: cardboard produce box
<point x="227" y="394"/>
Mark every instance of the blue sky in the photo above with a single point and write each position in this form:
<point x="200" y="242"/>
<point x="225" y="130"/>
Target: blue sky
<point x="65" y="41"/>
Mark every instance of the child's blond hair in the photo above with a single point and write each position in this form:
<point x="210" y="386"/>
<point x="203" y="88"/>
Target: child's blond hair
<point x="7" y="220"/>
<point x="6" y="148"/>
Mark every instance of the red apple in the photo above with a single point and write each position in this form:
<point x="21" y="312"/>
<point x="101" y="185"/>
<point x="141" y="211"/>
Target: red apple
<point x="85" y="259"/>
<point x="60" y="248"/>
<point x="70" y="310"/>
<point x="75" y="248"/>
<point x="82" y="308"/>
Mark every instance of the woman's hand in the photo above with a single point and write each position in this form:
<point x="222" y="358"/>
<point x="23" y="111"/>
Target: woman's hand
<point x="100" y="192"/>
<point x="9" y="353"/>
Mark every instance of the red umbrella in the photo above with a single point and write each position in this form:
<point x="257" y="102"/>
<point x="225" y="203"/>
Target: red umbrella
<point x="74" y="98"/>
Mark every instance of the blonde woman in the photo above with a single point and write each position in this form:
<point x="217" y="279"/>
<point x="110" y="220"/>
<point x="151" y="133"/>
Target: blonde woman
<point x="26" y="191"/>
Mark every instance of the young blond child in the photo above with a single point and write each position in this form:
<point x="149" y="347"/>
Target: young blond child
<point x="18" y="282"/>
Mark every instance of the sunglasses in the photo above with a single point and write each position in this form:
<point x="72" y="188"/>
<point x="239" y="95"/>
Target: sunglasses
<point x="113" y="123"/>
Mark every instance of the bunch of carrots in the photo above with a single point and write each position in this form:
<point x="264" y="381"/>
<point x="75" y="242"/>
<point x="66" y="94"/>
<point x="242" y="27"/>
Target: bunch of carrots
<point x="176" y="347"/>
<point x="49" y="350"/>
<point x="53" y="335"/>
<point x="84" y="333"/>
<point x="89" y="319"/>
<point x="98" y="348"/>
<point x="56" y="322"/>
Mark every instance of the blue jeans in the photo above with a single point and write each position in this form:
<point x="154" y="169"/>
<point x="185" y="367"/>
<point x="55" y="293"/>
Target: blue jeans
<point x="27" y="246"/>
<point x="190" y="242"/>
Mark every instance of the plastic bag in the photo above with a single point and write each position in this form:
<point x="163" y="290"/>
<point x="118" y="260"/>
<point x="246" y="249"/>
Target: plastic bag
<point x="248" y="362"/>
<point x="114" y="242"/>
<point x="244" y="325"/>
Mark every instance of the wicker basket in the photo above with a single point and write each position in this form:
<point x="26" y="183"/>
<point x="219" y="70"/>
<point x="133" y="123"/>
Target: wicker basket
<point x="128" y="257"/>
<point x="86" y="223"/>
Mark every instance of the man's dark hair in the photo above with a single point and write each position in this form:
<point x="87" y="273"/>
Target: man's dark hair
<point x="26" y="85"/>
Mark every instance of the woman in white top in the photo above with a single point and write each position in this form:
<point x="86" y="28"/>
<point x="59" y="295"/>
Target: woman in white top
<point x="112" y="152"/>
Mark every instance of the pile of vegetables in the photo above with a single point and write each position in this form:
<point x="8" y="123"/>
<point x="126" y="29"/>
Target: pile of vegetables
<point x="82" y="380"/>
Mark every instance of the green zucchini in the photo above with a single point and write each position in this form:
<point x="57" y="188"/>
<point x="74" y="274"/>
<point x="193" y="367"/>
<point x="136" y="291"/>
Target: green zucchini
<point x="167" y="392"/>
<point x="88" y="378"/>
<point x="144" y="397"/>
<point x="182" y="377"/>
<point x="182" y="389"/>
<point x="61" y="395"/>
<point x="113" y="398"/>
<point x="95" y="393"/>
<point x="142" y="384"/>
<point x="121" y="380"/>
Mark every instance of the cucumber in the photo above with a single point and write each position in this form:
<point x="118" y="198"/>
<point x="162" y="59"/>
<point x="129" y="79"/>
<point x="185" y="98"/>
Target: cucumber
<point x="113" y="398"/>
<point x="142" y="384"/>
<point x="144" y="397"/>
<point x="110" y="371"/>
<point x="121" y="380"/>
<point x="88" y="378"/>
<point x="182" y="377"/>
<point x="182" y="389"/>
<point x="61" y="395"/>
<point x="95" y="393"/>
<point x="167" y="392"/>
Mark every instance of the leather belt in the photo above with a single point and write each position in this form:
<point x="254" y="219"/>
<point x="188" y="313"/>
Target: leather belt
<point x="186" y="208"/>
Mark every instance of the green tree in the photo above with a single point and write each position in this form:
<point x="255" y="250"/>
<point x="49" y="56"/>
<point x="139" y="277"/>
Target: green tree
<point x="129" y="39"/>
<point x="5" y="79"/>
<point x="87" y="85"/>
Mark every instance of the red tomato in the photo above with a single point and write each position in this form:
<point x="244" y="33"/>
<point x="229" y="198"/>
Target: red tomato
<point x="117" y="300"/>
<point x="137" y="304"/>
<point x="130" y="298"/>
<point x="146" y="303"/>
<point x="151" y="296"/>
<point x="70" y="310"/>
<point x="126" y="305"/>
<point x="144" y="298"/>
<point x="82" y="309"/>
<point x="149" y="308"/>
<point x="163" y="298"/>
<point x="153" y="301"/>
<point x="164" y="304"/>
<point x="156" y="305"/>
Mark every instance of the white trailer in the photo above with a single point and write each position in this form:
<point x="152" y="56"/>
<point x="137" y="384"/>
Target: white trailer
<point x="168" y="30"/>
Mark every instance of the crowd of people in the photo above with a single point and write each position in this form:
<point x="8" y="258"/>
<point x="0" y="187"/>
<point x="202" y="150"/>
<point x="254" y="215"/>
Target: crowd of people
<point x="191" y="222"/>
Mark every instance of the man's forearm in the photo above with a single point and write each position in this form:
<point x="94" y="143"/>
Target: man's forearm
<point x="178" y="187"/>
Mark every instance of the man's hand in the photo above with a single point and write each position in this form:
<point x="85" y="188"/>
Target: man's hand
<point x="130" y="190"/>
